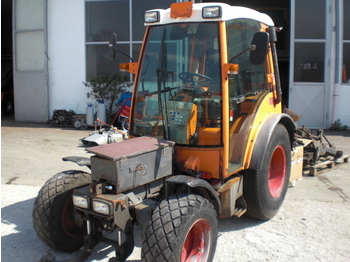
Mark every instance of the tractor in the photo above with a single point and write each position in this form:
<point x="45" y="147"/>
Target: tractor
<point x="208" y="139"/>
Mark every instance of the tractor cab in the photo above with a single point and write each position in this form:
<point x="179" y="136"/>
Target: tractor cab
<point x="202" y="71"/>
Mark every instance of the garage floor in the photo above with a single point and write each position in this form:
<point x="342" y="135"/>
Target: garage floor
<point x="313" y="224"/>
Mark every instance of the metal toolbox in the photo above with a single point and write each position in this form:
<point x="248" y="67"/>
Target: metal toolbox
<point x="132" y="163"/>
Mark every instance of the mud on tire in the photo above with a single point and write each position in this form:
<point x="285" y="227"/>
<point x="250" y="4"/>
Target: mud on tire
<point x="182" y="226"/>
<point x="53" y="212"/>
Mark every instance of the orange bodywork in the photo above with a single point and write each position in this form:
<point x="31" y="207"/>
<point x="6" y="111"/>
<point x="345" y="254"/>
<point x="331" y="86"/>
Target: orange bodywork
<point x="129" y="67"/>
<point x="199" y="159"/>
<point x="225" y="105"/>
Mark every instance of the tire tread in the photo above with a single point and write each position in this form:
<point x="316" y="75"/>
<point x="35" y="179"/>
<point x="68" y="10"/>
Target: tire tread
<point x="164" y="231"/>
<point x="45" y="202"/>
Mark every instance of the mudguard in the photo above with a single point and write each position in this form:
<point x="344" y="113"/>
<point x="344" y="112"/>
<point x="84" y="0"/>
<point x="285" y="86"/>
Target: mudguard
<point x="264" y="137"/>
<point x="81" y="161"/>
<point x="195" y="183"/>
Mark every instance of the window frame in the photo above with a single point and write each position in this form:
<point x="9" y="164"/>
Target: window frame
<point x="341" y="42"/>
<point x="132" y="45"/>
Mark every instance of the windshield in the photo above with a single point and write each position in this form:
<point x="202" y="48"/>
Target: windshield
<point x="178" y="94"/>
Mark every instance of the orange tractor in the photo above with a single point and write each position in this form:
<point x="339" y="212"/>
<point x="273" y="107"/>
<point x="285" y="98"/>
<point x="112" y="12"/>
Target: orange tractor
<point x="208" y="140"/>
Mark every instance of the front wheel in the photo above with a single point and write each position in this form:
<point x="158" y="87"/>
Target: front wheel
<point x="53" y="212"/>
<point x="182" y="228"/>
<point x="264" y="190"/>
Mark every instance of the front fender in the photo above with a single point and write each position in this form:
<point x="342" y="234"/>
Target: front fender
<point x="204" y="187"/>
<point x="80" y="161"/>
<point x="264" y="137"/>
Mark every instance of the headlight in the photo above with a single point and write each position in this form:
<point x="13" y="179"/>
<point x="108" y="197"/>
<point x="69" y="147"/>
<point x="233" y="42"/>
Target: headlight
<point x="102" y="207"/>
<point x="211" y="12"/>
<point x="81" y="201"/>
<point x="151" y="17"/>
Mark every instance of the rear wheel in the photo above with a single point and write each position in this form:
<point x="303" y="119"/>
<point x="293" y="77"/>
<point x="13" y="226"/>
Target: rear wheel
<point x="182" y="228"/>
<point x="265" y="189"/>
<point x="53" y="212"/>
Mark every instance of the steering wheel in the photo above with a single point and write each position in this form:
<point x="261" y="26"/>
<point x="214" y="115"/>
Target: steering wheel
<point x="194" y="78"/>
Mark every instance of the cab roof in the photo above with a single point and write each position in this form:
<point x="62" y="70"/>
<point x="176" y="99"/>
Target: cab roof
<point x="227" y="13"/>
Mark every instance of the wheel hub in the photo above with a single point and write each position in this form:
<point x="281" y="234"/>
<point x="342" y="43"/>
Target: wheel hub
<point x="197" y="242"/>
<point x="277" y="171"/>
<point x="68" y="222"/>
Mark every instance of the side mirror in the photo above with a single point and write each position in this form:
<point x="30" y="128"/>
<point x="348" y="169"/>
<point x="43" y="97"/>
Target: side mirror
<point x="112" y="45"/>
<point x="259" y="48"/>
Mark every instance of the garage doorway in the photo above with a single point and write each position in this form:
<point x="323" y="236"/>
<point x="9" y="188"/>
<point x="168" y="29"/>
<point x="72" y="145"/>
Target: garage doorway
<point x="310" y="54"/>
<point x="30" y="60"/>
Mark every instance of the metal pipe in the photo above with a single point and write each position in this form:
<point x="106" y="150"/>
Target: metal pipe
<point x="88" y="227"/>
<point x="119" y="237"/>
<point x="273" y="40"/>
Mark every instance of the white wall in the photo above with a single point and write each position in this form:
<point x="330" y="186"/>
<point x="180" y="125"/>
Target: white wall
<point x="66" y="51"/>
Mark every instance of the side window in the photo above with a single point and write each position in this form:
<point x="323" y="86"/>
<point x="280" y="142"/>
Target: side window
<point x="251" y="78"/>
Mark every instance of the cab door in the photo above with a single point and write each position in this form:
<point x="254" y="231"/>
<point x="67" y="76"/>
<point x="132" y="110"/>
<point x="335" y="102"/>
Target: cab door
<point x="245" y="89"/>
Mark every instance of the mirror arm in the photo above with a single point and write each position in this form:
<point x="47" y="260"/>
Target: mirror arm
<point x="252" y="47"/>
<point x="116" y="49"/>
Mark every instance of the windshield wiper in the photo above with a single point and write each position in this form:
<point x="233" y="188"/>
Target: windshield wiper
<point x="162" y="67"/>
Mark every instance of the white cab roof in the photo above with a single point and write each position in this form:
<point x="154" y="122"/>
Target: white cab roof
<point x="228" y="13"/>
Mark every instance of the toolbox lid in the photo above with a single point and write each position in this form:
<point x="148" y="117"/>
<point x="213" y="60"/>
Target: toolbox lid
<point x="130" y="148"/>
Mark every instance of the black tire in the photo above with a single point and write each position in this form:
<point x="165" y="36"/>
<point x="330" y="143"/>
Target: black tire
<point x="181" y="224"/>
<point x="264" y="190"/>
<point x="53" y="212"/>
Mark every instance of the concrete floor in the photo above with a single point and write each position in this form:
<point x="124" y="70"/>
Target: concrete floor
<point x="312" y="225"/>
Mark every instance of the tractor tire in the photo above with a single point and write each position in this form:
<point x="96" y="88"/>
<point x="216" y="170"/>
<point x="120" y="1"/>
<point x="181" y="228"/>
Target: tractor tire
<point x="264" y="190"/>
<point x="53" y="212"/>
<point x="182" y="228"/>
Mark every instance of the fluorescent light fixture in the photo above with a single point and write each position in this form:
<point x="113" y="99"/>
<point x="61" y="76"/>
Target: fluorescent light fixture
<point x="211" y="12"/>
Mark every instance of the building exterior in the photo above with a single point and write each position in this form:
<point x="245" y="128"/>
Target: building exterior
<point x="57" y="45"/>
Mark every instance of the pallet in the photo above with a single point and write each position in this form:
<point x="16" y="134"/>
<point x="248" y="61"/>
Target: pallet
<point x="327" y="165"/>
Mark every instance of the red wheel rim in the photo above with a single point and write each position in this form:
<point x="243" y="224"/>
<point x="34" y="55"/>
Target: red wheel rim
<point x="277" y="171"/>
<point x="68" y="223"/>
<point x="197" y="243"/>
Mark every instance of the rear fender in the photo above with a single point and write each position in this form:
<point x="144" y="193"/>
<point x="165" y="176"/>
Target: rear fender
<point x="264" y="137"/>
<point x="198" y="186"/>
